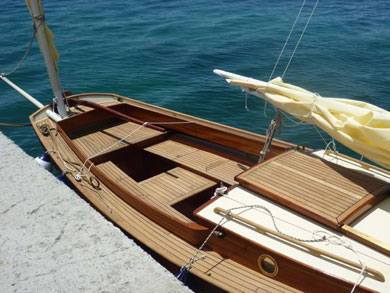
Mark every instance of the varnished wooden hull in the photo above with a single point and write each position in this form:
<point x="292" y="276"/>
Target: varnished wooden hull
<point x="161" y="217"/>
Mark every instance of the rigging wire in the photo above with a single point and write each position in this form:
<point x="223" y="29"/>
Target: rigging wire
<point x="282" y="51"/>
<point x="300" y="38"/>
<point x="287" y="40"/>
<point x="292" y="55"/>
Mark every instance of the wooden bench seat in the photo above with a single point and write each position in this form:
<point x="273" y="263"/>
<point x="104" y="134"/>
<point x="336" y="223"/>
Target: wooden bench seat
<point x="175" y="185"/>
<point x="213" y="165"/>
<point x="162" y="190"/>
<point x="110" y="133"/>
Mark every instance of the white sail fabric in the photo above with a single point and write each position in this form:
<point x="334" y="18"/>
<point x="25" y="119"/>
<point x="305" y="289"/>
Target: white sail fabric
<point x="360" y="126"/>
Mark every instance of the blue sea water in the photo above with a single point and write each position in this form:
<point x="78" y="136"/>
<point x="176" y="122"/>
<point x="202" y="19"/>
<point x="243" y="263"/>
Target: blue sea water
<point x="163" y="52"/>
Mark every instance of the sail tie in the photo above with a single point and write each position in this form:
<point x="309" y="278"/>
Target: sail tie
<point x="275" y="123"/>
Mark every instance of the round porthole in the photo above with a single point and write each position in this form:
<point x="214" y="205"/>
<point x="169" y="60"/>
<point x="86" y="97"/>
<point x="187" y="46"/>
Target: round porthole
<point x="267" y="265"/>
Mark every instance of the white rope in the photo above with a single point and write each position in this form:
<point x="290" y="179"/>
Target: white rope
<point x="335" y="240"/>
<point x="300" y="38"/>
<point x="295" y="122"/>
<point x="319" y="133"/>
<point x="68" y="167"/>
<point x="168" y="123"/>
<point x="332" y="239"/>
<point x="263" y="212"/>
<point x="246" y="102"/>
<point x="331" y="146"/>
<point x="273" y="221"/>
<point x="194" y="258"/>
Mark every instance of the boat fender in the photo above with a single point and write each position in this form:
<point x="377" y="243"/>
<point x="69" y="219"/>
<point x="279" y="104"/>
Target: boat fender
<point x="182" y="275"/>
<point x="61" y="177"/>
<point x="44" y="161"/>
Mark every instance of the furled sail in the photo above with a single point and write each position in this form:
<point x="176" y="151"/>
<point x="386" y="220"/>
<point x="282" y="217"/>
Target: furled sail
<point x="49" y="34"/>
<point x="360" y="126"/>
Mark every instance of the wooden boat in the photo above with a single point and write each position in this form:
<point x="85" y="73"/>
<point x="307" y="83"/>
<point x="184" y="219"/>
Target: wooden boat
<point x="194" y="192"/>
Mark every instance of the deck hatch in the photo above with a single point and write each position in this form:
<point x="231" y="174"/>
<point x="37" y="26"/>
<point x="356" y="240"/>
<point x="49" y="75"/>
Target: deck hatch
<point x="327" y="192"/>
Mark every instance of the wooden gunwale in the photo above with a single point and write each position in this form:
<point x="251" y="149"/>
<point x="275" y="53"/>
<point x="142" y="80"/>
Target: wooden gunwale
<point x="210" y="131"/>
<point x="225" y="273"/>
<point x="113" y="112"/>
<point x="228" y="153"/>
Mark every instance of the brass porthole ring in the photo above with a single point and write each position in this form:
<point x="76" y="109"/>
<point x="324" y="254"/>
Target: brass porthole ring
<point x="267" y="265"/>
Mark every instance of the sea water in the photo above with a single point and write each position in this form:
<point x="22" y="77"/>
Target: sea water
<point x="164" y="52"/>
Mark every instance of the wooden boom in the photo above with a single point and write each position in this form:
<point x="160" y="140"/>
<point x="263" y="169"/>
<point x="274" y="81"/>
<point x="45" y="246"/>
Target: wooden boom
<point x="313" y="250"/>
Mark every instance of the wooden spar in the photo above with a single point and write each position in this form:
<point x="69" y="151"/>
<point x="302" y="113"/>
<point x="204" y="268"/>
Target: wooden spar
<point x="313" y="250"/>
<point x="22" y="92"/>
<point x="114" y="112"/>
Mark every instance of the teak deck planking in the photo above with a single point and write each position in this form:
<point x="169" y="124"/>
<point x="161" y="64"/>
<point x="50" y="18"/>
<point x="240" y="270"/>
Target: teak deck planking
<point x="222" y="272"/>
<point x="330" y="193"/>
<point x="95" y="142"/>
<point x="218" y="167"/>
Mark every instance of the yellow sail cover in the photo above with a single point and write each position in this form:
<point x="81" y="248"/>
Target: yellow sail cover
<point x="360" y="126"/>
<point x="49" y="34"/>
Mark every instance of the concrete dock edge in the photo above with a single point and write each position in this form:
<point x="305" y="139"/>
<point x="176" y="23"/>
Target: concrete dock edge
<point x="52" y="240"/>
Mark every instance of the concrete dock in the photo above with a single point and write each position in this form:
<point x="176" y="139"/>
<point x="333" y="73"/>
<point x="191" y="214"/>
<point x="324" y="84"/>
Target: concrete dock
<point x="52" y="240"/>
